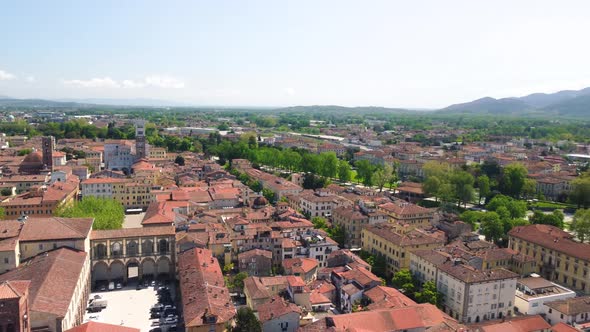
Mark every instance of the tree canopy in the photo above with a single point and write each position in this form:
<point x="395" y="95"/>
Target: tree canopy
<point x="107" y="213"/>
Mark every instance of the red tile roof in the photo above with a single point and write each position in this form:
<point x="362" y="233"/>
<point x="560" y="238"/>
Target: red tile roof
<point x="202" y="288"/>
<point x="419" y="317"/>
<point x="54" y="277"/>
<point x="55" y="228"/>
<point x="275" y="308"/>
<point x="92" y="326"/>
<point x="553" y="238"/>
<point x="517" y="324"/>
<point x="13" y="289"/>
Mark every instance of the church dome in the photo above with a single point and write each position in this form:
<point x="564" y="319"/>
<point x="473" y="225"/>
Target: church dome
<point x="260" y="202"/>
<point x="34" y="157"/>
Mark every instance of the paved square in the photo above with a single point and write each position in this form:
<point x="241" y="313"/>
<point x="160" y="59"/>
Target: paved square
<point x="127" y="305"/>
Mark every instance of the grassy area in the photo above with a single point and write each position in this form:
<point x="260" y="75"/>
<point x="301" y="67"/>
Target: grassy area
<point x="546" y="205"/>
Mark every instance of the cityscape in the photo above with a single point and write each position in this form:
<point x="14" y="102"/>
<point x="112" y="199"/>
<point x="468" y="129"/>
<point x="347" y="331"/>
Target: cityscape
<point x="198" y="200"/>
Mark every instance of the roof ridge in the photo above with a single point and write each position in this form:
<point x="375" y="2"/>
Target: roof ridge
<point x="9" y="285"/>
<point x="61" y="221"/>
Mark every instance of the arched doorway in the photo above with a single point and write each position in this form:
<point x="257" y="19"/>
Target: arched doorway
<point x="100" y="271"/>
<point x="132" y="270"/>
<point x="118" y="271"/>
<point x="163" y="267"/>
<point x="148" y="268"/>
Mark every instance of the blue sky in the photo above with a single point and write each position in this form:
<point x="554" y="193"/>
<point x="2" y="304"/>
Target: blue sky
<point x="277" y="53"/>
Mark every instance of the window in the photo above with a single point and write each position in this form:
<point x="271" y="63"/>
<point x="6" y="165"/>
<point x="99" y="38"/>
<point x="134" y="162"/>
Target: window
<point x="6" y="260"/>
<point x="40" y="247"/>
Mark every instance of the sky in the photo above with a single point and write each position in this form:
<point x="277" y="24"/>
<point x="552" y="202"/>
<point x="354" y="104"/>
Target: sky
<point x="418" y="54"/>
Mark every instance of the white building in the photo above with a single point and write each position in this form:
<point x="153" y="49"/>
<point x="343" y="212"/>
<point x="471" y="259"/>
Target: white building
<point x="573" y="311"/>
<point x="532" y="293"/>
<point x="119" y="156"/>
<point x="472" y="295"/>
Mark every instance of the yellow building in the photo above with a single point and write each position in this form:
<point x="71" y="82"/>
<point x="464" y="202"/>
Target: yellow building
<point x="158" y="153"/>
<point x="383" y="239"/>
<point x="408" y="214"/>
<point x="558" y="257"/>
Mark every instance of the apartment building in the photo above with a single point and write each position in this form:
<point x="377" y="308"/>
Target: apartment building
<point x="559" y="258"/>
<point x="384" y="239"/>
<point x="353" y="218"/>
<point x="409" y="214"/>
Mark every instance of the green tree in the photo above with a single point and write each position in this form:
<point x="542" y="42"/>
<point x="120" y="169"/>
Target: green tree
<point x="513" y="179"/>
<point x="336" y="232"/>
<point x="246" y="321"/>
<point x="581" y="224"/>
<point x="344" y="171"/>
<point x="383" y="175"/>
<point x="580" y="194"/>
<point x="529" y="188"/>
<point x="320" y="223"/>
<point x="516" y="208"/>
<point x="492" y="227"/>
<point x="328" y="164"/>
<point x="24" y="152"/>
<point x="471" y="217"/>
<point x="429" y="294"/>
<point x="238" y="279"/>
<point x="463" y="186"/>
<point x="432" y="186"/>
<point x="268" y="194"/>
<point x="2" y="213"/>
<point x="228" y="267"/>
<point x="6" y="192"/>
<point x="403" y="279"/>
<point x="483" y="184"/>
<point x="256" y="186"/>
<point x="107" y="213"/>
<point x="554" y="219"/>
<point x="364" y="170"/>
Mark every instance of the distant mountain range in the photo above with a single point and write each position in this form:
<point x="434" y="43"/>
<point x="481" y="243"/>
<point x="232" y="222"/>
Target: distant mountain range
<point x="567" y="103"/>
<point x="82" y="103"/>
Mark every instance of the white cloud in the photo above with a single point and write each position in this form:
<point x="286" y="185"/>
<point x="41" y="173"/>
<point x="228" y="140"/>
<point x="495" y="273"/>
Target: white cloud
<point x="5" y="76"/>
<point x="290" y="91"/>
<point x="105" y="82"/>
<point x="164" y="82"/>
<point x="132" y="84"/>
<point x="31" y="79"/>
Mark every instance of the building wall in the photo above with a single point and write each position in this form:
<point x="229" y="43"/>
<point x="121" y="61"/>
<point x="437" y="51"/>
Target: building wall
<point x="475" y="302"/>
<point x="554" y="317"/>
<point x="33" y="248"/>
<point x="285" y="323"/>
<point x="398" y="257"/>
<point x="535" y="305"/>
<point x="555" y="266"/>
<point x="422" y="269"/>
<point x="9" y="260"/>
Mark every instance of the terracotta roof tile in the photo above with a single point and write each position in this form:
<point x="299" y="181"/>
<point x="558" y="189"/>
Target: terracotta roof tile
<point x="54" y="276"/>
<point x="93" y="326"/>
<point x="40" y="229"/>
